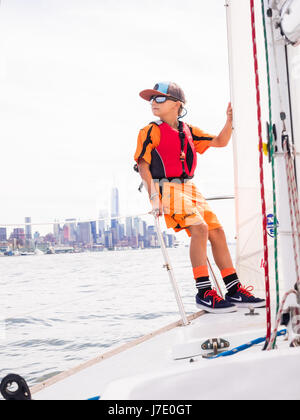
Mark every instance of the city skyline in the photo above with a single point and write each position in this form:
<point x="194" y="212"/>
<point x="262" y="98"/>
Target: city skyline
<point x="71" y="234"/>
<point x="115" y="211"/>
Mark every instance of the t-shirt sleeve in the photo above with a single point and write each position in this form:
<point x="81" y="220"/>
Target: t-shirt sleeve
<point x="146" y="142"/>
<point x="202" y="140"/>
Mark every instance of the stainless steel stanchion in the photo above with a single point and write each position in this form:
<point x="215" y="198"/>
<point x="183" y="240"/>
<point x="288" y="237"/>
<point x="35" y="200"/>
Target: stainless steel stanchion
<point x="170" y="270"/>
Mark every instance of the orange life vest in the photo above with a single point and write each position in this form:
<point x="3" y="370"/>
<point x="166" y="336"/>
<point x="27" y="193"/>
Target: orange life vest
<point x="175" y="156"/>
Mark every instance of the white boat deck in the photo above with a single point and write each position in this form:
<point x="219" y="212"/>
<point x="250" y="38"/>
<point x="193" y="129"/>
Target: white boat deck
<point x="146" y="369"/>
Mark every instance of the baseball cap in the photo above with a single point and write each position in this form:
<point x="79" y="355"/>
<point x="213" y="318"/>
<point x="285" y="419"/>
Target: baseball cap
<point x="164" y="89"/>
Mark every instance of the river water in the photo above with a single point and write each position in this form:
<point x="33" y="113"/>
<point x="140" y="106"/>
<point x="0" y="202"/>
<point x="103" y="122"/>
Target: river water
<point x="58" y="311"/>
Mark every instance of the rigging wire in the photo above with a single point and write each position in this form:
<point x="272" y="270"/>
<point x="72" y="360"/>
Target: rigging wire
<point x="293" y="202"/>
<point x="78" y="220"/>
<point x="272" y="155"/>
<point x="73" y="220"/>
<point x="262" y="189"/>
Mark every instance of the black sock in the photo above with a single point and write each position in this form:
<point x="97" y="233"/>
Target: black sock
<point x="231" y="282"/>
<point x="203" y="284"/>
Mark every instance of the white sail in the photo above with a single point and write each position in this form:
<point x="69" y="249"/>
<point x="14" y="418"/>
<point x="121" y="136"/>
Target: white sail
<point x="294" y="69"/>
<point x="290" y="23"/>
<point x="250" y="249"/>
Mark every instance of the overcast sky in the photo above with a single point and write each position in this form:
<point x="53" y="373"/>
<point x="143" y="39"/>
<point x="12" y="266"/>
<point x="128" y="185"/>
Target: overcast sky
<point x="70" y="74"/>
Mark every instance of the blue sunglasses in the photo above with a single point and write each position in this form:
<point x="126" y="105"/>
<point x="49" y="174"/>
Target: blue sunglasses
<point x="161" y="99"/>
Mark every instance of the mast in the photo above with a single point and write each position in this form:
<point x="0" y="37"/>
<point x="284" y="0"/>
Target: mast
<point x="283" y="129"/>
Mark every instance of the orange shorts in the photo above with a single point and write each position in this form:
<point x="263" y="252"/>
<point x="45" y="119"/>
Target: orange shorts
<point x="184" y="206"/>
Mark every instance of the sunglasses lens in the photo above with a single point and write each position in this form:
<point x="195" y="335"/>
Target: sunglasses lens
<point x="158" y="99"/>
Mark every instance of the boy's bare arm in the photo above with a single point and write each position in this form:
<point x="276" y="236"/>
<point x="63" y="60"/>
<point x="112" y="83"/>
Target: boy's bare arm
<point x="150" y="186"/>
<point x="223" y="138"/>
<point x="146" y="176"/>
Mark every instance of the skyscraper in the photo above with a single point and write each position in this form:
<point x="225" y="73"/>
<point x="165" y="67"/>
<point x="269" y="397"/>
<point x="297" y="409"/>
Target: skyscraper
<point x="114" y="215"/>
<point x="115" y="202"/>
<point x="138" y="225"/>
<point x="71" y="223"/>
<point x="66" y="234"/>
<point x="3" y="235"/>
<point x="129" y="226"/>
<point x="19" y="235"/>
<point x="85" y="232"/>
<point x="103" y="214"/>
<point x="94" y="232"/>
<point x="28" y="234"/>
<point x="56" y="231"/>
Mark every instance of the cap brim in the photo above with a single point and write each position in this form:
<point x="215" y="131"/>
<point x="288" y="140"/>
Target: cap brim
<point x="148" y="93"/>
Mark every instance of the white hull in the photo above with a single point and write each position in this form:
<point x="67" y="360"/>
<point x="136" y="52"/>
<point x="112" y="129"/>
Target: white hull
<point x="146" y="369"/>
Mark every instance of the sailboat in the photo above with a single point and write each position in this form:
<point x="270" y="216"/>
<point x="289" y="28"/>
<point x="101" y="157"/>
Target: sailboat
<point x="252" y="353"/>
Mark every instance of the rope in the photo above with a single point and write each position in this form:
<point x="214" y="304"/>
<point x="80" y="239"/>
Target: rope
<point x="262" y="189"/>
<point x="246" y="346"/>
<point x="271" y="137"/>
<point x="78" y="220"/>
<point x="274" y="335"/>
<point x="271" y="140"/>
<point x="293" y="203"/>
<point x="295" y="222"/>
<point x="290" y="170"/>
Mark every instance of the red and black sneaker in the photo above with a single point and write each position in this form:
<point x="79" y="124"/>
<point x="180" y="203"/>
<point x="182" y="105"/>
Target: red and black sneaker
<point x="243" y="298"/>
<point x="213" y="303"/>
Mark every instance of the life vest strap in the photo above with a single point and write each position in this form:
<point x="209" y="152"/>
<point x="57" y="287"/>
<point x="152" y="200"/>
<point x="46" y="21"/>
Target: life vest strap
<point x="181" y="180"/>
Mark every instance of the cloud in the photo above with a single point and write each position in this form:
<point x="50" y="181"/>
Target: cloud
<point x="70" y="73"/>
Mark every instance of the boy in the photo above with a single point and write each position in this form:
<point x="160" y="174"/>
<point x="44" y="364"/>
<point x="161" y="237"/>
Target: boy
<point x="166" y="158"/>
